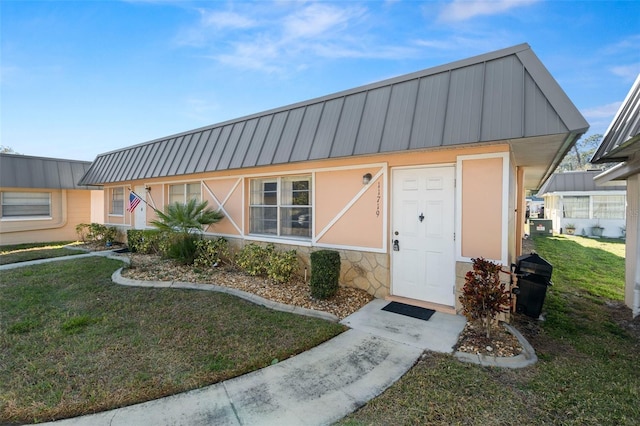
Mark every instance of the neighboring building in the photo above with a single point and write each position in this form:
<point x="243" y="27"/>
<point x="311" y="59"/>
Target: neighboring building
<point x="572" y="198"/>
<point x="41" y="200"/>
<point x="409" y="178"/>
<point x="621" y="143"/>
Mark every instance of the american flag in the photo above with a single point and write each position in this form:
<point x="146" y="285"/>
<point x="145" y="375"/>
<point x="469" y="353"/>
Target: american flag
<point x="134" y="200"/>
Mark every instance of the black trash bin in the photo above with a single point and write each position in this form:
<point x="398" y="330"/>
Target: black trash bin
<point x="534" y="276"/>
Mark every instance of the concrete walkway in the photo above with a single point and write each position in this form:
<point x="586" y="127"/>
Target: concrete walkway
<point x="317" y="387"/>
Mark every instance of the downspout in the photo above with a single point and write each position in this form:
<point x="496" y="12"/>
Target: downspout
<point x="635" y="308"/>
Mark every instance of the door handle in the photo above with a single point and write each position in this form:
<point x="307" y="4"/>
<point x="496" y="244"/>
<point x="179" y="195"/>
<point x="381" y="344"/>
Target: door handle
<point x="396" y="245"/>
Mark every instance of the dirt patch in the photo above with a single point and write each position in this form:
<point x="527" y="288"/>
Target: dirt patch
<point x="622" y="315"/>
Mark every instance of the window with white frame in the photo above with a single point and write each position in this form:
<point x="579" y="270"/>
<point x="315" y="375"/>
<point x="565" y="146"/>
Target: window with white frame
<point x="183" y="192"/>
<point x="26" y="204"/>
<point x="575" y="207"/>
<point x="609" y="206"/>
<point x="281" y="206"/>
<point x="116" y="201"/>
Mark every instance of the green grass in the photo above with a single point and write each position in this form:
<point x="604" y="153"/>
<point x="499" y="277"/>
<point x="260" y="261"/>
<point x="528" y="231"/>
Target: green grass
<point x="588" y="370"/>
<point x="26" y="252"/>
<point x="72" y="342"/>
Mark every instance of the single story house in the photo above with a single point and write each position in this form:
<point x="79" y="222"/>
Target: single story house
<point x="41" y="199"/>
<point x="408" y="178"/>
<point x="573" y="200"/>
<point x="621" y="143"/>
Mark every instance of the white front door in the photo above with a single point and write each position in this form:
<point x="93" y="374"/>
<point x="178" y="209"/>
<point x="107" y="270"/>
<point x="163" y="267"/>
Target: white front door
<point x="141" y="209"/>
<point x="422" y="234"/>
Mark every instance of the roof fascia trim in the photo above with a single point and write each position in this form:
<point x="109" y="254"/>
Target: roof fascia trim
<point x="612" y="156"/>
<point x="601" y="155"/>
<point x="619" y="172"/>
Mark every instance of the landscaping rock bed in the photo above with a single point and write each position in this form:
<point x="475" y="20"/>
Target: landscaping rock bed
<point x="297" y="293"/>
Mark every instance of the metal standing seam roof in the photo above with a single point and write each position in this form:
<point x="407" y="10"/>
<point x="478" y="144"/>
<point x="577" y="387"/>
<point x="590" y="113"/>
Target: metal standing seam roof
<point x="22" y="171"/>
<point x="503" y="95"/>
<point x="623" y="135"/>
<point x="581" y="181"/>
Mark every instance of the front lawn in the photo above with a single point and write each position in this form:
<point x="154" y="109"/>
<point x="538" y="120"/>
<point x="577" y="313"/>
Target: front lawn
<point x="588" y="348"/>
<point x="26" y="252"/>
<point x="72" y="342"/>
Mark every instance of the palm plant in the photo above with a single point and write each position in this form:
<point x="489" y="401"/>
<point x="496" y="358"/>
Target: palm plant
<point x="184" y="223"/>
<point x="186" y="218"/>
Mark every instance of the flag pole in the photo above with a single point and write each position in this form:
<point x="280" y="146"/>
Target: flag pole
<point x="143" y="200"/>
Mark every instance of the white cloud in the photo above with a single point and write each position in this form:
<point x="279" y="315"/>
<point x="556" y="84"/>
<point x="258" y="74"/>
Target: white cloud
<point x="462" y="10"/>
<point x="602" y="111"/>
<point x="224" y="20"/>
<point x="292" y="33"/>
<point x="318" y="20"/>
<point x="627" y="72"/>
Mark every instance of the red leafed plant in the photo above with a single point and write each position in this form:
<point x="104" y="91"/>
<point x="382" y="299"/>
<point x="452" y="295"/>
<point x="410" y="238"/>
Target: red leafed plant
<point x="484" y="296"/>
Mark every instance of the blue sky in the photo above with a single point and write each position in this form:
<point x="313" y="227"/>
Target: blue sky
<point x="79" y="78"/>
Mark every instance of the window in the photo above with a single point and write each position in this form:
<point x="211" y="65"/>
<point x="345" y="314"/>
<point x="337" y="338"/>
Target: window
<point x="575" y="207"/>
<point x="116" y="205"/>
<point x="609" y="206"/>
<point x="183" y="192"/>
<point x="26" y="204"/>
<point x="281" y="206"/>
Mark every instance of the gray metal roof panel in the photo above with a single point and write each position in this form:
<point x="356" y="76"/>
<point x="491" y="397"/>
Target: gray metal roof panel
<point x="232" y="145"/>
<point x="308" y="130"/>
<point x="194" y="153"/>
<point x="146" y="160"/>
<point x="540" y="116"/>
<point x="325" y="134"/>
<point x="259" y="135"/>
<point x="289" y="136"/>
<point x="553" y="93"/>
<point x="504" y="92"/>
<point x="580" y="181"/>
<point x="243" y="144"/>
<point x="400" y="116"/>
<point x="348" y="126"/>
<point x="623" y="135"/>
<point x="178" y="161"/>
<point x="373" y="120"/>
<point x="273" y="138"/>
<point x="218" y="148"/>
<point x="210" y="144"/>
<point x="431" y="107"/>
<point x="29" y="172"/>
<point x="464" y="109"/>
<point x="500" y="95"/>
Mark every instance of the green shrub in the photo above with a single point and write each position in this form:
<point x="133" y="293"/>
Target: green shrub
<point x="253" y="259"/>
<point x="265" y="261"/>
<point x="82" y="230"/>
<point x="181" y="247"/>
<point x="146" y="241"/>
<point x="282" y="265"/>
<point x="325" y="272"/>
<point x="96" y="233"/>
<point x="211" y="253"/>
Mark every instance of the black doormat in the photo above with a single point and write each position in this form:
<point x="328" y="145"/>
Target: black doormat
<point x="408" y="310"/>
